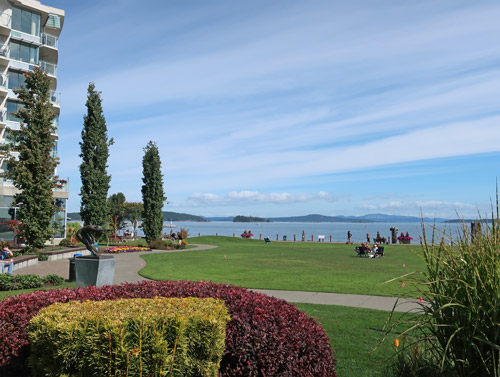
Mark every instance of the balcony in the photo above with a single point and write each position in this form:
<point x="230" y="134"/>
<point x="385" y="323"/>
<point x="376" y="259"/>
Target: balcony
<point x="62" y="185"/>
<point x="50" y="40"/>
<point x="55" y="126"/>
<point x="5" y="23"/>
<point x="3" y="86"/>
<point x="25" y="37"/>
<point x="55" y="97"/>
<point x="4" y="54"/>
<point x="49" y="68"/>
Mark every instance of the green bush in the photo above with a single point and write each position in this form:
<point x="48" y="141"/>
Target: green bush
<point x="459" y="331"/>
<point x="161" y="244"/>
<point x="148" y="337"/>
<point x="11" y="282"/>
<point x="53" y="279"/>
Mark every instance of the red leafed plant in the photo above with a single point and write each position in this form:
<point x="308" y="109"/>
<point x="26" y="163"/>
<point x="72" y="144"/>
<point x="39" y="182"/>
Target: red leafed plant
<point x="265" y="337"/>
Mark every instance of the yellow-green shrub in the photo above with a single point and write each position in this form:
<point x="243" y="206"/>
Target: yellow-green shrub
<point x="129" y="337"/>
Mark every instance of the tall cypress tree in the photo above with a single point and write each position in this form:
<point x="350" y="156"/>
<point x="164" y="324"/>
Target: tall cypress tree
<point x="153" y="195"/>
<point x="94" y="153"/>
<point x="34" y="168"/>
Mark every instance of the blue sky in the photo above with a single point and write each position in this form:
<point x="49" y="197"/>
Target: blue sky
<point x="286" y="107"/>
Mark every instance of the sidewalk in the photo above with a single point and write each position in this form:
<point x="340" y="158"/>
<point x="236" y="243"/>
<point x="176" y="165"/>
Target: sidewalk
<point x="128" y="265"/>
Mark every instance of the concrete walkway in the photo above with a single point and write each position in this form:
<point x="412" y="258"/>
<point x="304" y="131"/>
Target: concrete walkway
<point x="128" y="265"/>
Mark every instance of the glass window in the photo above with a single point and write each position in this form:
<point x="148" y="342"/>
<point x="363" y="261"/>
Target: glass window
<point x="14" y="50"/>
<point x="23" y="52"/>
<point x="16" y="18"/>
<point x="35" y="24"/>
<point x="25" y="21"/>
<point x="11" y="110"/>
<point x="16" y="79"/>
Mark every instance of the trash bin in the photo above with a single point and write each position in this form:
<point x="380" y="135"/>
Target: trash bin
<point x="284" y="237"/>
<point x="72" y="273"/>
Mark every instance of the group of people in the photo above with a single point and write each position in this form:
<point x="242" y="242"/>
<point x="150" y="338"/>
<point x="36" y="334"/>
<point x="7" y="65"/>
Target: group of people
<point x="5" y="261"/>
<point x="370" y="252"/>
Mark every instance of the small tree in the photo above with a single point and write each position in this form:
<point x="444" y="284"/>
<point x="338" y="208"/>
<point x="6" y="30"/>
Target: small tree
<point x="116" y="207"/>
<point x="153" y="195"/>
<point x="34" y="168"/>
<point x="94" y="153"/>
<point x="133" y="212"/>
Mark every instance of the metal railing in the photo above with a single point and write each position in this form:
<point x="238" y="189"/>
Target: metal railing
<point x="50" y="40"/>
<point x="3" y="82"/>
<point x="48" y="68"/>
<point x="5" y="51"/>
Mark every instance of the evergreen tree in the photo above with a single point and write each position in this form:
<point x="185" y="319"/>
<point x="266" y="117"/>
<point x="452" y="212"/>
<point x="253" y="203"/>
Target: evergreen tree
<point x="94" y="153"/>
<point x="33" y="170"/>
<point x="153" y="195"/>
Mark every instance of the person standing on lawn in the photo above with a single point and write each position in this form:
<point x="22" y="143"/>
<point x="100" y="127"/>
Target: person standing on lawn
<point x="6" y="253"/>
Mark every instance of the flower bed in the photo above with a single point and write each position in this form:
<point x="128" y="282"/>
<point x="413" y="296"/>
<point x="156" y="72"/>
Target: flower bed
<point x="126" y="249"/>
<point x="265" y="337"/>
<point x="247" y="235"/>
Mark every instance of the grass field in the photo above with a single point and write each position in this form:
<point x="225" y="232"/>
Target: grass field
<point x="356" y="336"/>
<point x="300" y="266"/>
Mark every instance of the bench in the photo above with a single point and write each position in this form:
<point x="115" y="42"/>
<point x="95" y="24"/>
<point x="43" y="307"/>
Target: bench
<point x="321" y="238"/>
<point x="23" y="261"/>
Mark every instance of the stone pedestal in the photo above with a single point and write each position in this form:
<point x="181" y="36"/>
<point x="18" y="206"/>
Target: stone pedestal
<point x="92" y="270"/>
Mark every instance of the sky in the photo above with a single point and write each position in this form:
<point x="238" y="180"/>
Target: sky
<point x="287" y="107"/>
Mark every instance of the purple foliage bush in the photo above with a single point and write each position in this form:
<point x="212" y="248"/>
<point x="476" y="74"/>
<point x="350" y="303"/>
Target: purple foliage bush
<point x="265" y="337"/>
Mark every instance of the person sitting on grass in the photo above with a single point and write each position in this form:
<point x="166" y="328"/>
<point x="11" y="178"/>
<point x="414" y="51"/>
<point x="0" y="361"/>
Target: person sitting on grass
<point x="6" y="253"/>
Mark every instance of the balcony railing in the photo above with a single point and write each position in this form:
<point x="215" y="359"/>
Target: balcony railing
<point x="5" y="51"/>
<point x="3" y="82"/>
<point x="62" y="185"/>
<point x="5" y="20"/>
<point x="48" y="68"/>
<point x="50" y="40"/>
<point x="55" y="97"/>
<point x="55" y="125"/>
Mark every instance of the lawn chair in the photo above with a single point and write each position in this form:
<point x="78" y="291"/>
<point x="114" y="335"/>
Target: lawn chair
<point x="267" y="240"/>
<point x="360" y="250"/>
<point x="380" y="252"/>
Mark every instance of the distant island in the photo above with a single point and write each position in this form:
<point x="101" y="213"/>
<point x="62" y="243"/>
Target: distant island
<point x="312" y="218"/>
<point x="249" y="219"/>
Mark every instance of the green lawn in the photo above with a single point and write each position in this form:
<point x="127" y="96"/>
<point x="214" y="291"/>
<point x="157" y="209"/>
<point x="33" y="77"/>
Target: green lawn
<point x="299" y="266"/>
<point x="355" y="335"/>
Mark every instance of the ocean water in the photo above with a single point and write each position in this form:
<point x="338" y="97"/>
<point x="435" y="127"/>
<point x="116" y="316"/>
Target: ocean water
<point x="337" y="231"/>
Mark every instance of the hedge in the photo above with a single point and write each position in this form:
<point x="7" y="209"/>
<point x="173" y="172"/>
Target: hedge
<point x="265" y="337"/>
<point x="161" y="336"/>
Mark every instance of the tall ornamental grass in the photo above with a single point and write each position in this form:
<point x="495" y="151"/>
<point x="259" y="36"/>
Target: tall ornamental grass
<point x="458" y="333"/>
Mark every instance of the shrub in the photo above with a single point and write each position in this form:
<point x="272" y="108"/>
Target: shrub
<point x="459" y="330"/>
<point x="53" y="279"/>
<point x="156" y="244"/>
<point x="10" y="282"/>
<point x="149" y="337"/>
<point x="43" y="257"/>
<point x="265" y="337"/>
<point x="68" y="241"/>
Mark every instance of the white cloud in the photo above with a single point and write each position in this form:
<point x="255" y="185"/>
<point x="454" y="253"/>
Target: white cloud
<point x="255" y="197"/>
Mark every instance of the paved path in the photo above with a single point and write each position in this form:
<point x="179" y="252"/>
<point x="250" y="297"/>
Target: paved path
<point x="128" y="265"/>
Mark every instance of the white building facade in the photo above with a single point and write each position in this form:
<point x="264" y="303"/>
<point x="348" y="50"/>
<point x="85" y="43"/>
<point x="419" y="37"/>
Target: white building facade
<point x="29" y="35"/>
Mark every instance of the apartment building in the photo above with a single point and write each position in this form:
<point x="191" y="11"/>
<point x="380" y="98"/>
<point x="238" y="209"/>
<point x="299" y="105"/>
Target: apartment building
<point x="29" y="34"/>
